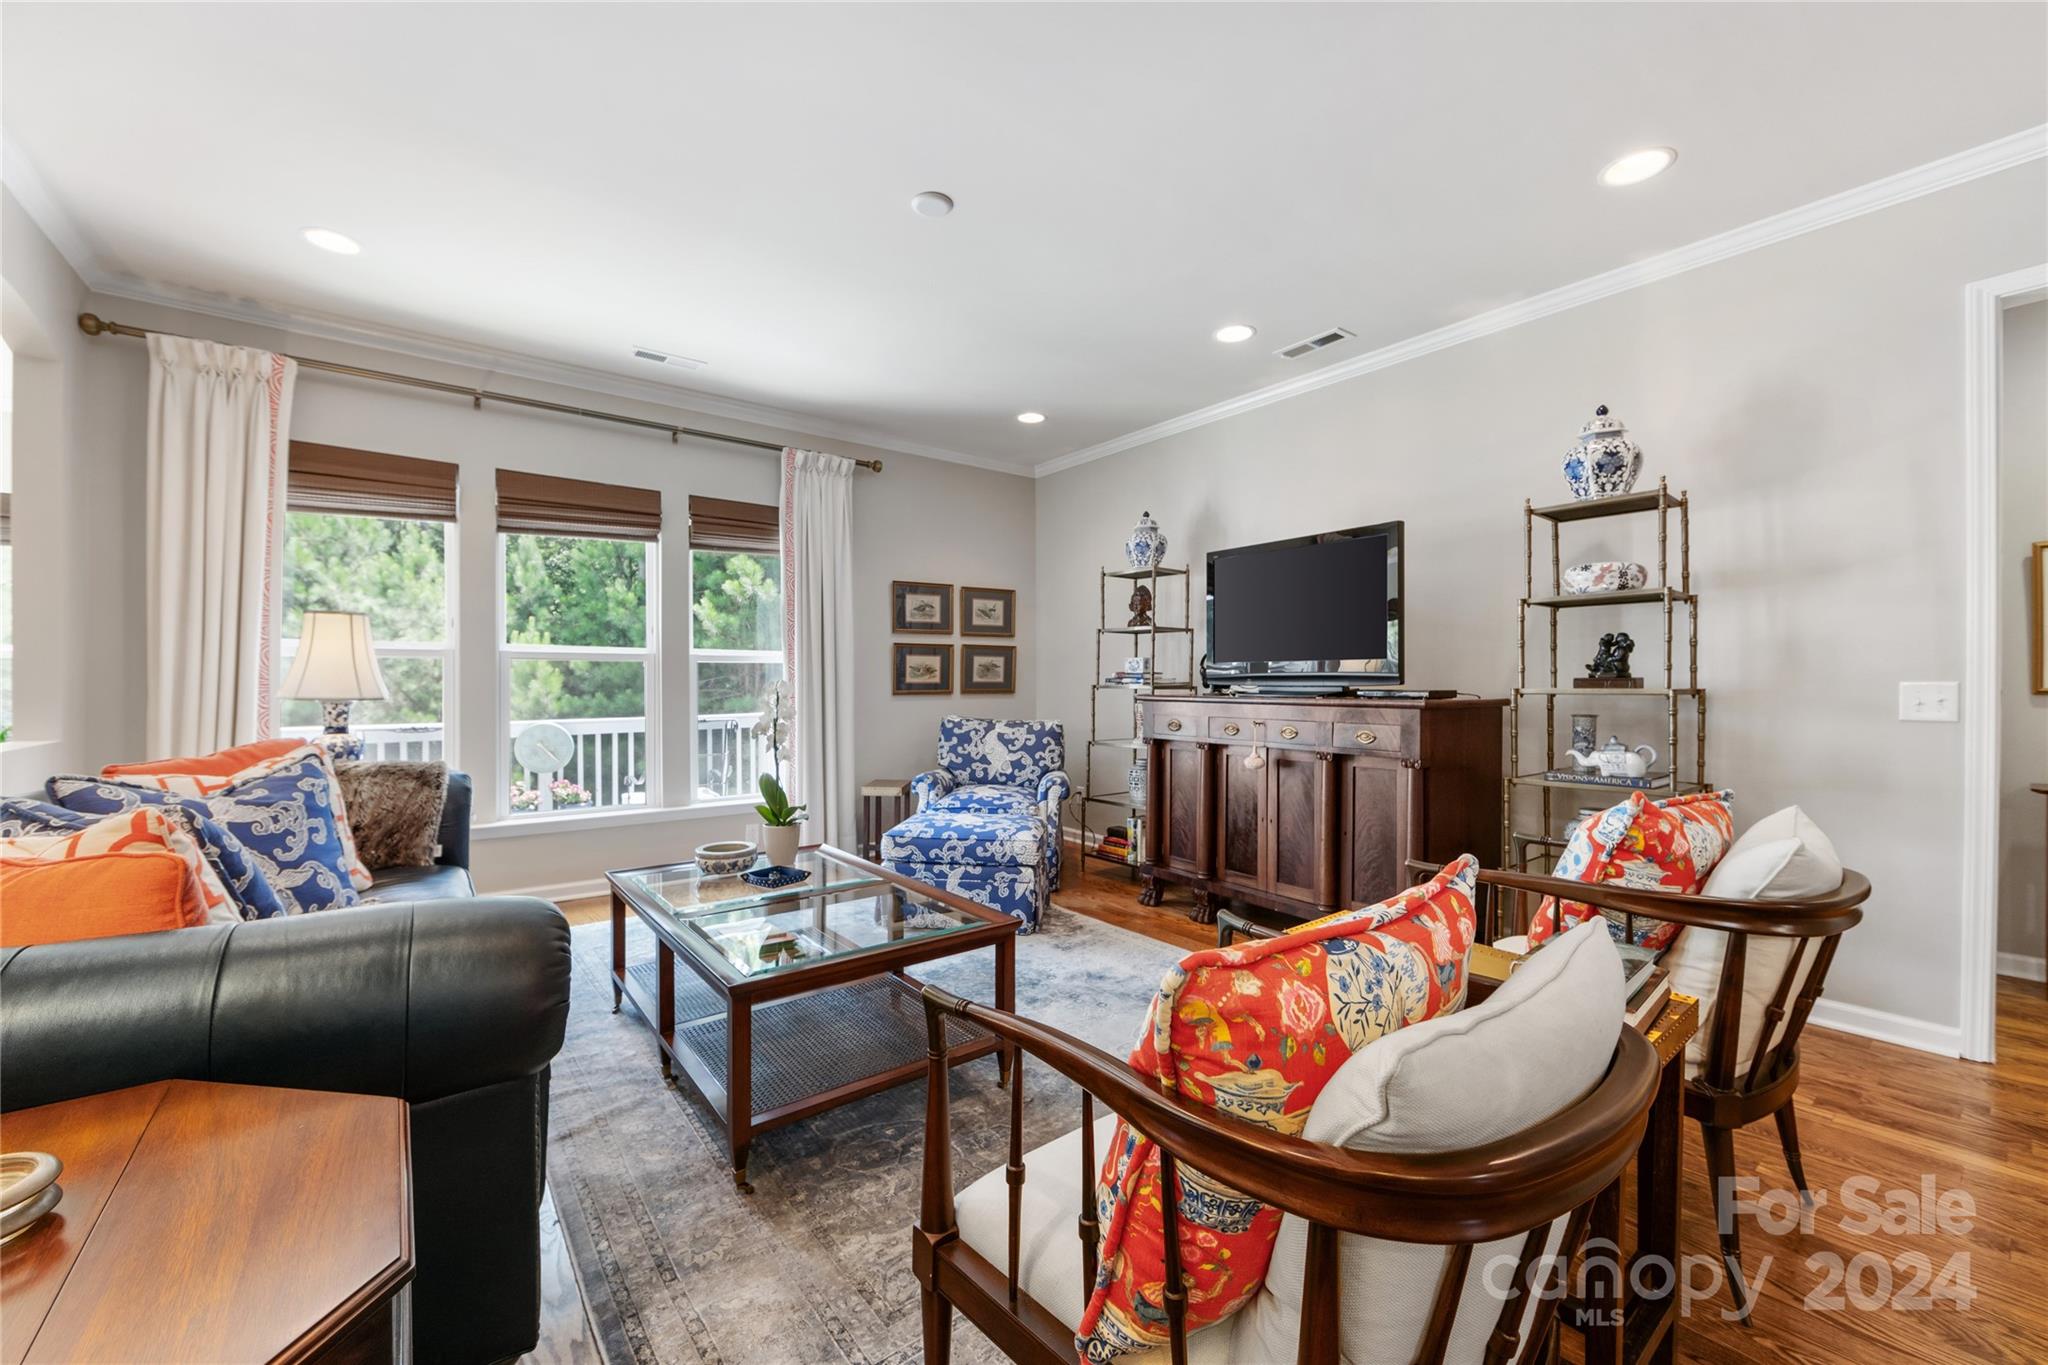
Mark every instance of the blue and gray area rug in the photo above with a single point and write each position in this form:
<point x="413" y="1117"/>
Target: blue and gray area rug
<point x="813" y="1268"/>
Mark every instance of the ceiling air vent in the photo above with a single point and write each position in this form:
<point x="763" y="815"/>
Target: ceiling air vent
<point x="1316" y="343"/>
<point x="681" y="362"/>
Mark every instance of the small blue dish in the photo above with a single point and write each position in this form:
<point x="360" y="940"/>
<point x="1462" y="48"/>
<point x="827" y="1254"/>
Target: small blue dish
<point x="774" y="878"/>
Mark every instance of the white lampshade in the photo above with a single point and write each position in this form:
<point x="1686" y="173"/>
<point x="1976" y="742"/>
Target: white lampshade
<point x="336" y="661"/>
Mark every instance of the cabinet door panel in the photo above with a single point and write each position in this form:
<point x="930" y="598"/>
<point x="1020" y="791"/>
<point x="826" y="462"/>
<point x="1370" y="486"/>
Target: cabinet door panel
<point x="1241" y="819"/>
<point x="1298" y="818"/>
<point x="1183" y="797"/>
<point x="1374" y="813"/>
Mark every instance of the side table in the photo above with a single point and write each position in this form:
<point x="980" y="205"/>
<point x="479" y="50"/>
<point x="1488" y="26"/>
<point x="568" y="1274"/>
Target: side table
<point x="214" y="1222"/>
<point x="883" y="797"/>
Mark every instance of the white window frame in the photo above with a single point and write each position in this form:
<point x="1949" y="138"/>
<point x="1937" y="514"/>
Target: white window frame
<point x="444" y="650"/>
<point x="648" y="656"/>
<point x="719" y="656"/>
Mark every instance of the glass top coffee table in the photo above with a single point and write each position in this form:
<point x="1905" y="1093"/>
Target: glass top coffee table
<point x="795" y="999"/>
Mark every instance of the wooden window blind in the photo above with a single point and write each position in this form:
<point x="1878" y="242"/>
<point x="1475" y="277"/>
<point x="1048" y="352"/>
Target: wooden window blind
<point x="722" y="524"/>
<point x="545" y="505"/>
<point x="368" y="483"/>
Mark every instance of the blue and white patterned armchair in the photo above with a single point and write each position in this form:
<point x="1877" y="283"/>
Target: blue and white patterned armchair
<point x="987" y="824"/>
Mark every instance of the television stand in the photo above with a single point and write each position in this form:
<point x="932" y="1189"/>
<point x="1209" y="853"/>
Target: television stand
<point x="1343" y="793"/>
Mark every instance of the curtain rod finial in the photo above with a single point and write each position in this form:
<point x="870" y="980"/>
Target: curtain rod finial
<point x="90" y="324"/>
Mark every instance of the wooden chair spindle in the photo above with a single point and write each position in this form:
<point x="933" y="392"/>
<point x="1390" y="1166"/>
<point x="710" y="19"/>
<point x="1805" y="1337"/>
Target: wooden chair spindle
<point x="1175" y="1288"/>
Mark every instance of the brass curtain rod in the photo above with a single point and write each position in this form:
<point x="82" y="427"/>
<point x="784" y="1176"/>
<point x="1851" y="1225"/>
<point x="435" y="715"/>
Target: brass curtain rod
<point x="93" y="325"/>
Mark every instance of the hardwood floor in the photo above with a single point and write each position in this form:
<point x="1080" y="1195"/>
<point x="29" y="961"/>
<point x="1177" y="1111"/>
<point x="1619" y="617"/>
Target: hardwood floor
<point x="1879" y="1126"/>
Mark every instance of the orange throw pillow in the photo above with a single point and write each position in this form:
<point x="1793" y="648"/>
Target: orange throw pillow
<point x="146" y="829"/>
<point x="225" y="763"/>
<point x="96" y="896"/>
<point x="1255" y="1031"/>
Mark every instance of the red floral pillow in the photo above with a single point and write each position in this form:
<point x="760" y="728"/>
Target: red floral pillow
<point x="1256" y="1030"/>
<point x="1669" y="845"/>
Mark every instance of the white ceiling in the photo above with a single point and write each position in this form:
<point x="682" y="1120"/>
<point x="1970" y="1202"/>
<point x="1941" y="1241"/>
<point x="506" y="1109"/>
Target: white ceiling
<point x="731" y="182"/>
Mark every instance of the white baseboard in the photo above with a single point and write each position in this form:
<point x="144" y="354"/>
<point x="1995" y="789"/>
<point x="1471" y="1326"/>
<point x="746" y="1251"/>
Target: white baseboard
<point x="560" y="891"/>
<point x="2025" y="968"/>
<point x="1943" y="1039"/>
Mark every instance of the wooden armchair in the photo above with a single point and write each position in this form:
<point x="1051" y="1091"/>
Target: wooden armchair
<point x="1762" y="1044"/>
<point x="1522" y="1186"/>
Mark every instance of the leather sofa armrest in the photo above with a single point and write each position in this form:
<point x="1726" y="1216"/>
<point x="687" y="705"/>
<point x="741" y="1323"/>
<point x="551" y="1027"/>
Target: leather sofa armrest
<point x="377" y="1000"/>
<point x="455" y="818"/>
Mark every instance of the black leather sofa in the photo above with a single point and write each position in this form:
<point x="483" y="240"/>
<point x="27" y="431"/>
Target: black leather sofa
<point x="457" y="1006"/>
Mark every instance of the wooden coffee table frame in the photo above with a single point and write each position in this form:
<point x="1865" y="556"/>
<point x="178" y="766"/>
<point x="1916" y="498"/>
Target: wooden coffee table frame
<point x="855" y="976"/>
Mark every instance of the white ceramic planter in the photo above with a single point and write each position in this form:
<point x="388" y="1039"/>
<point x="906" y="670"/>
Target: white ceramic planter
<point x="780" y="842"/>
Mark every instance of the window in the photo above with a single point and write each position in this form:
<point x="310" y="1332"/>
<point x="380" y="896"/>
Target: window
<point x="396" y="570"/>
<point x="578" y="666"/>
<point x="368" y="532"/>
<point x="735" y="640"/>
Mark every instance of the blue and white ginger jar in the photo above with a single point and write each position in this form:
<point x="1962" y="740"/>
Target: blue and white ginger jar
<point x="1146" y="547"/>
<point x="1605" y="462"/>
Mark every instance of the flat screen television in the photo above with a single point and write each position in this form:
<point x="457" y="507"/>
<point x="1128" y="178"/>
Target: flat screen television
<point x="1315" y="613"/>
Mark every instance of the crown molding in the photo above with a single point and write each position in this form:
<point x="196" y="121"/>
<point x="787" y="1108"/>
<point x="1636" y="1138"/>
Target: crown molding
<point x="498" y="361"/>
<point x="1988" y="159"/>
<point x="19" y="174"/>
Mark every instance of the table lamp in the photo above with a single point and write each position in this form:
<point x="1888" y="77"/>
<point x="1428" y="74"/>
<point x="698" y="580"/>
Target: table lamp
<point x="336" y="665"/>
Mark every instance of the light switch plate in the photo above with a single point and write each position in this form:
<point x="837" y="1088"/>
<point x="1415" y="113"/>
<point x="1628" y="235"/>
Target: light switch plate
<point x="1929" y="701"/>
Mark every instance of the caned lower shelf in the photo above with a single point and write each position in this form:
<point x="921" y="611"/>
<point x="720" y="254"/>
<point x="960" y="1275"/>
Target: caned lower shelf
<point x="1128" y="745"/>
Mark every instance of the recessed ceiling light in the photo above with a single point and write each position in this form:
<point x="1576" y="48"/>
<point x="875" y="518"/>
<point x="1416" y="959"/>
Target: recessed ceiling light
<point x="931" y="204"/>
<point x="1031" y="419"/>
<point x="1637" y="167"/>
<point x="327" y="239"/>
<point x="1236" y="332"/>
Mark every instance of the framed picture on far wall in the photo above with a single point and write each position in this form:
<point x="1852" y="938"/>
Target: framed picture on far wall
<point x="988" y="668"/>
<point x="924" y="607"/>
<point x="988" y="611"/>
<point x="921" y="669"/>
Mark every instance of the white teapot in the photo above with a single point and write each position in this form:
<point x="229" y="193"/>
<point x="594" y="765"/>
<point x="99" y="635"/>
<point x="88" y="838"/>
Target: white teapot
<point x="1613" y="759"/>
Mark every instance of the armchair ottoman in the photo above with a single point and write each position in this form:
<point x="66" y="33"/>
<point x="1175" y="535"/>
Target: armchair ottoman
<point x="988" y="820"/>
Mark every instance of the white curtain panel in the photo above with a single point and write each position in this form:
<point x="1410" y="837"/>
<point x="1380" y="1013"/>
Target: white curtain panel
<point x="817" y="636"/>
<point x="218" y="423"/>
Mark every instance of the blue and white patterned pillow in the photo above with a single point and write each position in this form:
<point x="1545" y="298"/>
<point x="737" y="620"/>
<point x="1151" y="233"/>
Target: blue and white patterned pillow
<point x="252" y="892"/>
<point x="284" y="820"/>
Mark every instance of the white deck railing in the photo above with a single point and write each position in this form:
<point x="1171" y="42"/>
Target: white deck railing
<point x="610" y="763"/>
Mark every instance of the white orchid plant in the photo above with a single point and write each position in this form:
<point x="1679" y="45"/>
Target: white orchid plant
<point x="778" y="726"/>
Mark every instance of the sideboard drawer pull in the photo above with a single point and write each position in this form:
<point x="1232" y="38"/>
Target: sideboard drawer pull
<point x="1289" y="732"/>
<point x="1366" y="737"/>
<point x="1173" y="725"/>
<point x="1230" y="729"/>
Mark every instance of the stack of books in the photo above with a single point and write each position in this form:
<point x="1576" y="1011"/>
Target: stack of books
<point x="1125" y="677"/>
<point x="1125" y="844"/>
<point x="1646" y="984"/>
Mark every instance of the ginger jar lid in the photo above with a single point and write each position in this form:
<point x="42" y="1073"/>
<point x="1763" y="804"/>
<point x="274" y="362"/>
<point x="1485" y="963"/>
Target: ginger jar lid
<point x="1604" y="426"/>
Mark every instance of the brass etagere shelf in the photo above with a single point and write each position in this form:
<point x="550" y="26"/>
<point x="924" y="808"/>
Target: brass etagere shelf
<point x="1114" y="806"/>
<point x="1536" y="850"/>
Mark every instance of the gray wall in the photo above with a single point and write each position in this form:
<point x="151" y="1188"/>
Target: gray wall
<point x="1807" y="394"/>
<point x="2023" y="717"/>
<point x="918" y="519"/>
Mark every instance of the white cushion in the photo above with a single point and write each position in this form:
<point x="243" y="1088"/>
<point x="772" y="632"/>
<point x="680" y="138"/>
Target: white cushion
<point x="1539" y="1043"/>
<point x="1784" y="856"/>
<point x="1049" y="1242"/>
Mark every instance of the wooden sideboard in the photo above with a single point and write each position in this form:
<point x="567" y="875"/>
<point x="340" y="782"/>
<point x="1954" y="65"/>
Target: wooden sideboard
<point x="1350" y="789"/>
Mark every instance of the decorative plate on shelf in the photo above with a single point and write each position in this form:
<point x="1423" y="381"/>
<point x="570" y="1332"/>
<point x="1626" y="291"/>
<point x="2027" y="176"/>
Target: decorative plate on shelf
<point x="774" y="878"/>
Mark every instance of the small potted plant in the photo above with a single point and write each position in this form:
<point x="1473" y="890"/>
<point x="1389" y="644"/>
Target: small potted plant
<point x="782" y="825"/>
